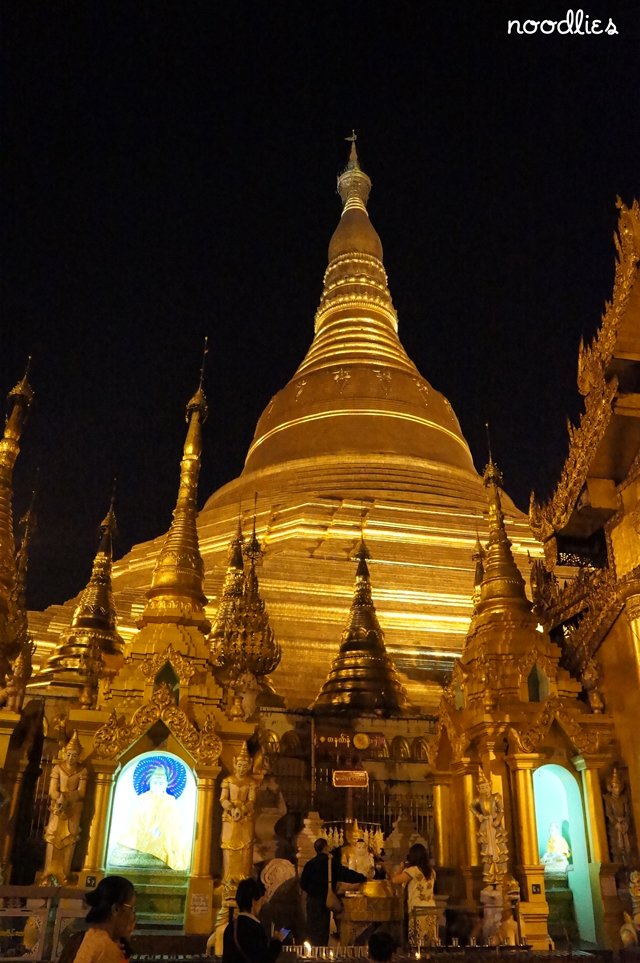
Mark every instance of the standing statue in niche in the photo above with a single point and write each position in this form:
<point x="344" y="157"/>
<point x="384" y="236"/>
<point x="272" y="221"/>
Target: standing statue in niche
<point x="67" y="789"/>
<point x="237" y="798"/>
<point x="618" y="813"/>
<point x="492" y="834"/>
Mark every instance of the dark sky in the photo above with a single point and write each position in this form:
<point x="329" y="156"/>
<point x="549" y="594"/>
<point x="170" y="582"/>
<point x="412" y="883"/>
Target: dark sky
<point x="169" y="172"/>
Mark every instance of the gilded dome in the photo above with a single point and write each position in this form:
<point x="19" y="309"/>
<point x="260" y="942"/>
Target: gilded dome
<point x="357" y="391"/>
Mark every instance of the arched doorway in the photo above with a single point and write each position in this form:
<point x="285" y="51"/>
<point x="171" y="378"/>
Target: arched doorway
<point x="562" y="846"/>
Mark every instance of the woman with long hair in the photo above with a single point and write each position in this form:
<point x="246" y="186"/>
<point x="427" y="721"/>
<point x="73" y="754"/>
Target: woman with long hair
<point x="419" y="877"/>
<point x="111" y="918"/>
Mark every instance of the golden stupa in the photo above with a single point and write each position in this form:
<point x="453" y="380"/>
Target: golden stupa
<point x="357" y="433"/>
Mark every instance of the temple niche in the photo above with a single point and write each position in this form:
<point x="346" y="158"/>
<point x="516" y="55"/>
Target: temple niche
<point x="351" y="655"/>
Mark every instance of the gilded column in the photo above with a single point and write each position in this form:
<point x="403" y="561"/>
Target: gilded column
<point x="94" y="859"/>
<point x="534" y="909"/>
<point x="199" y="913"/>
<point x="606" y="906"/>
<point x="13" y="785"/>
<point x="443" y="818"/>
<point x="469" y="853"/>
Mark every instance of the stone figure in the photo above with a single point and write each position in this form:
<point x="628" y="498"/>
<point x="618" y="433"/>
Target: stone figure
<point x="237" y="798"/>
<point x="556" y="856"/>
<point x="492" y="834"/>
<point x="616" y="807"/>
<point x="67" y="789"/>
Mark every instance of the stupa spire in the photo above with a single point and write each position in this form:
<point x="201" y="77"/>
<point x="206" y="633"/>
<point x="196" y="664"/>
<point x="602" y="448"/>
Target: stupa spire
<point x="176" y="593"/>
<point x="242" y="639"/>
<point x="231" y="598"/>
<point x="356" y="384"/>
<point x="363" y="677"/>
<point x="478" y="557"/>
<point x="78" y="658"/>
<point x="19" y="401"/>
<point x="502" y="584"/>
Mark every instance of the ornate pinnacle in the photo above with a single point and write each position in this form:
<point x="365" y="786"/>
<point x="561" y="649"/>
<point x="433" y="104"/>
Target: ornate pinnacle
<point x="502" y="584"/>
<point x="363" y="677"/>
<point x="354" y="186"/>
<point x="77" y="660"/>
<point x="19" y="400"/>
<point x="242" y="639"/>
<point x="176" y="593"/>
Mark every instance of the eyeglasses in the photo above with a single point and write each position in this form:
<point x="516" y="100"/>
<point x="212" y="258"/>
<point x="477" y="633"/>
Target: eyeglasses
<point x="129" y="906"/>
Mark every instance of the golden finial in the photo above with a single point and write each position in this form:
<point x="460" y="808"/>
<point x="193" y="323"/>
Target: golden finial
<point x="502" y="584"/>
<point x="176" y="593"/>
<point x="353" y="153"/>
<point x="253" y="550"/>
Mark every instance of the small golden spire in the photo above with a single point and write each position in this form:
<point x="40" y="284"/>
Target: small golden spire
<point x="353" y="153"/>
<point x="502" y="584"/>
<point x="478" y="557"/>
<point x="354" y="186"/>
<point x="92" y="632"/>
<point x="19" y="399"/>
<point x="242" y="639"/>
<point x="20" y="625"/>
<point x="363" y="677"/>
<point x="176" y="593"/>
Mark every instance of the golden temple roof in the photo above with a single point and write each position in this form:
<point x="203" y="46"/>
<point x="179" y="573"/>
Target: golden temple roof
<point x="357" y="390"/>
<point x="19" y="399"/>
<point x="363" y="677"/>
<point x="176" y="593"/>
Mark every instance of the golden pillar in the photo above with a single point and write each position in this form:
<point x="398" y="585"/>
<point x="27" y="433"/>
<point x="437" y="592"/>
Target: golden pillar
<point x="469" y="853"/>
<point x="93" y="866"/>
<point x="534" y="909"/>
<point x="443" y="818"/>
<point x="606" y="906"/>
<point x="199" y="912"/>
<point x="13" y="779"/>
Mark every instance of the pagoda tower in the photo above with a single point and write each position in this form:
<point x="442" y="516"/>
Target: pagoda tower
<point x="510" y="709"/>
<point x="356" y="429"/>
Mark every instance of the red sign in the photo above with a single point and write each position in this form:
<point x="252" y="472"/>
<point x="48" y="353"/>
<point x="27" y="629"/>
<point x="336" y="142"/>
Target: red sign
<point x="350" y="778"/>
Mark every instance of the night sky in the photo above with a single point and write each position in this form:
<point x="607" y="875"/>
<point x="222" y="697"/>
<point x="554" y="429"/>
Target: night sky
<point x="169" y="172"/>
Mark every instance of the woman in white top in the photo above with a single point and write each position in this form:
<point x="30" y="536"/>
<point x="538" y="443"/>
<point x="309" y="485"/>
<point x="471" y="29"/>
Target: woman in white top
<point x="419" y="878"/>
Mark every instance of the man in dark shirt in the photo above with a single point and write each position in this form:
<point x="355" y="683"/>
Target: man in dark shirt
<point x="314" y="881"/>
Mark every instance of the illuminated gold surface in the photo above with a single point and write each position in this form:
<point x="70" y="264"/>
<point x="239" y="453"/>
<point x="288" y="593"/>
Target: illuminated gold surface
<point x="19" y="399"/>
<point x="363" y="677"/>
<point x="92" y="634"/>
<point x="357" y="426"/>
<point x="176" y="585"/>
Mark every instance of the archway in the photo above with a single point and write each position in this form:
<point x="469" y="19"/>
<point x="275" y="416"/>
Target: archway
<point x="153" y="816"/>
<point x="562" y="843"/>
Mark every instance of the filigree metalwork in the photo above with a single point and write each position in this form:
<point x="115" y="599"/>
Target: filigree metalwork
<point x="117" y="735"/>
<point x="153" y="663"/>
<point x="553" y="709"/>
<point x="595" y="358"/>
<point x="545" y="519"/>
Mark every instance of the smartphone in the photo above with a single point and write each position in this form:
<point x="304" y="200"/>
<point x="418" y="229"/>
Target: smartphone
<point x="284" y="933"/>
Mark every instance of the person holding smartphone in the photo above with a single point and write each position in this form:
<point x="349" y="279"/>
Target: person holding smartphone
<point x="245" y="940"/>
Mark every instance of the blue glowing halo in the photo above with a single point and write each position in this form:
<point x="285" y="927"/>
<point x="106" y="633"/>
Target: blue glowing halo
<point x="175" y="772"/>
